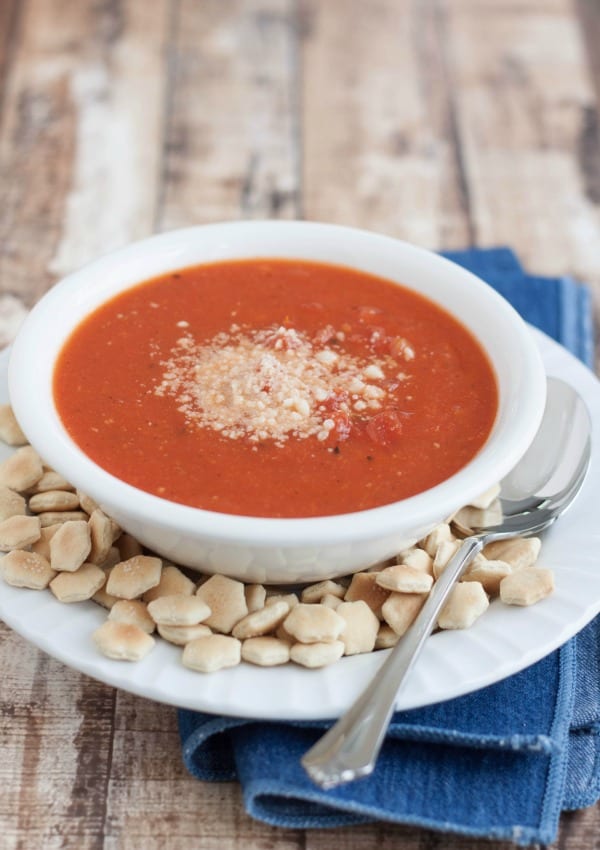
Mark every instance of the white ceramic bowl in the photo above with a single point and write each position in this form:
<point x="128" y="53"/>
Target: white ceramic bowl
<point x="279" y="550"/>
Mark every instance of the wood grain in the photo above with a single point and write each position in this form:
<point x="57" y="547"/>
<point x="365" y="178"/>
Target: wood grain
<point x="445" y="123"/>
<point x="523" y="107"/>
<point x="79" y="140"/>
<point x="36" y="148"/>
<point x="231" y="144"/>
<point x="117" y="96"/>
<point x="472" y="134"/>
<point x="57" y="726"/>
<point x="379" y="149"/>
<point x="154" y="803"/>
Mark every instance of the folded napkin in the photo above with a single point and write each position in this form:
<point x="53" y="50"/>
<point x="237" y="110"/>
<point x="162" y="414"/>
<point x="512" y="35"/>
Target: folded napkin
<point x="500" y="763"/>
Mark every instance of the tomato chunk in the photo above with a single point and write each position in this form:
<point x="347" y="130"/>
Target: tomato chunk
<point x="385" y="428"/>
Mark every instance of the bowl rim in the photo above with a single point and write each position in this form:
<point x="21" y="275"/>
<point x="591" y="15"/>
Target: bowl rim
<point x="41" y="422"/>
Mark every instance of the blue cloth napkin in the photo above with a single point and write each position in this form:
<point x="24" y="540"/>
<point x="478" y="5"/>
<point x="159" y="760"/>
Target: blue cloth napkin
<point x="502" y="762"/>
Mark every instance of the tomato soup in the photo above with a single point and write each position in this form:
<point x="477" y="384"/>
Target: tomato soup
<point x="275" y="388"/>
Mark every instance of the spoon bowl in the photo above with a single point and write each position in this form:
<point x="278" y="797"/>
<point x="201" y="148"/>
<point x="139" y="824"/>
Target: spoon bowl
<point x="533" y="495"/>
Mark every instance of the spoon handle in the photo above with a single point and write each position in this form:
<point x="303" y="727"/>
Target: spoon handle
<point x="349" y="749"/>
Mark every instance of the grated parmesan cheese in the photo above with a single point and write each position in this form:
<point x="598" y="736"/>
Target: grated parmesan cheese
<point x="269" y="384"/>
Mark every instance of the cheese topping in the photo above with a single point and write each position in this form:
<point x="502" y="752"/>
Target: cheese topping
<point x="270" y="384"/>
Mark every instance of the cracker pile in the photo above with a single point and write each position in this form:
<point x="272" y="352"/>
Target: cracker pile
<point x="56" y="537"/>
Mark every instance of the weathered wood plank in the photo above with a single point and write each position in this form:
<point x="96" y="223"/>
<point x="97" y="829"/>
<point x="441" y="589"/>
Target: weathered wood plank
<point x="12" y="309"/>
<point x="523" y="100"/>
<point x="231" y="142"/>
<point x="79" y="140"/>
<point x="36" y="145"/>
<point x="9" y="39"/>
<point x="55" y="739"/>
<point x="589" y="147"/>
<point x="579" y="830"/>
<point x="393" y="837"/>
<point x="154" y="803"/>
<point x="117" y="89"/>
<point x="378" y="122"/>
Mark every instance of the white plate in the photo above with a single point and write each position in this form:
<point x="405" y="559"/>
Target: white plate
<point x="505" y="640"/>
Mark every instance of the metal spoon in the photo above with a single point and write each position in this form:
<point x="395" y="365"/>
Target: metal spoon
<point x="533" y="495"/>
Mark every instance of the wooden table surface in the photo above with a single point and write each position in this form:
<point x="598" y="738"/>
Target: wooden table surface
<point x="443" y="122"/>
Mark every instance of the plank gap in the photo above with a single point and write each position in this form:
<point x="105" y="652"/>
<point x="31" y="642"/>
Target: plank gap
<point x="454" y="135"/>
<point x="171" y="65"/>
<point x="11" y="15"/>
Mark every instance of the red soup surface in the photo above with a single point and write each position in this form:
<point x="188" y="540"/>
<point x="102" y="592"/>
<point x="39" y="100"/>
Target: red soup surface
<point x="275" y="388"/>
